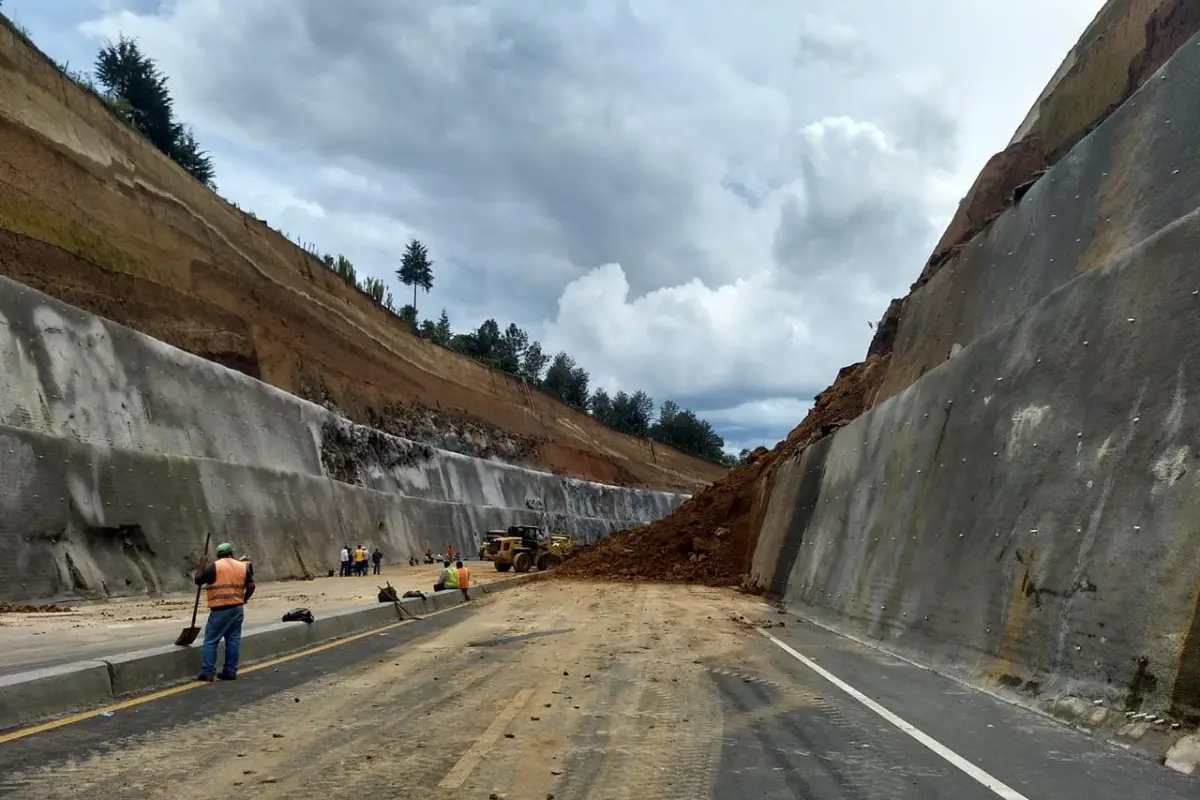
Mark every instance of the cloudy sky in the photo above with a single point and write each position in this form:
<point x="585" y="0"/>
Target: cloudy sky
<point x="706" y="200"/>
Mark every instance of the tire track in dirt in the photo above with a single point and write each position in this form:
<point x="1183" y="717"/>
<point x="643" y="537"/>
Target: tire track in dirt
<point x="658" y="725"/>
<point x="813" y="741"/>
<point x="456" y="686"/>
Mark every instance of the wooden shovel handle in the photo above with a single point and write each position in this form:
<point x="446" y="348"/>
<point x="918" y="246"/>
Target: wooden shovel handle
<point x="203" y="563"/>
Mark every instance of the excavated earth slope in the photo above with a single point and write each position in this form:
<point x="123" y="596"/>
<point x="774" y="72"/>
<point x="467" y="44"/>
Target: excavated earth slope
<point x="712" y="538"/>
<point x="93" y="215"/>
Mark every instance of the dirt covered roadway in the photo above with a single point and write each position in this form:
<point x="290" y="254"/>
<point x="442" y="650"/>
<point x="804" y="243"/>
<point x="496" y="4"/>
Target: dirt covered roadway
<point x="578" y="691"/>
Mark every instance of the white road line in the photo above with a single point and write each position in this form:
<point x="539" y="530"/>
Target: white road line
<point x="994" y="784"/>
<point x="459" y="773"/>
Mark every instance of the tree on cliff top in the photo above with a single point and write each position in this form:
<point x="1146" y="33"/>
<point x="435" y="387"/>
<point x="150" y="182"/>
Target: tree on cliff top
<point x="133" y="79"/>
<point x="601" y="406"/>
<point x="408" y="313"/>
<point x="534" y="362"/>
<point x="632" y="412"/>
<point x="510" y="350"/>
<point x="344" y="267"/>
<point x="443" y="333"/>
<point x="567" y="381"/>
<point x="682" y="429"/>
<point x="187" y="154"/>
<point x="416" y="270"/>
<point x="124" y="72"/>
<point x="373" y="287"/>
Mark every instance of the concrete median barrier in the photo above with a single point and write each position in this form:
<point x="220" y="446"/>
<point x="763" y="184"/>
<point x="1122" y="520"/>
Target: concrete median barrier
<point x="139" y="670"/>
<point x="28" y="697"/>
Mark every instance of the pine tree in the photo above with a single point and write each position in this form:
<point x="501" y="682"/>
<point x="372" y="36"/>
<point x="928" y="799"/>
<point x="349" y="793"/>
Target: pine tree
<point x="416" y="270"/>
<point x="137" y="89"/>
<point x="442" y="332"/>
<point x="534" y="362"/>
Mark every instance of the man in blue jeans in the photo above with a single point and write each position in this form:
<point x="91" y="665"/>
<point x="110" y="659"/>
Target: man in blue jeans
<point x="230" y="583"/>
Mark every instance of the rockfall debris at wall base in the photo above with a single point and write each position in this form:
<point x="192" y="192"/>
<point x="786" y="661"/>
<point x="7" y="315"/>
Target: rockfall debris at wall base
<point x="456" y="433"/>
<point x="347" y="449"/>
<point x="32" y="608"/>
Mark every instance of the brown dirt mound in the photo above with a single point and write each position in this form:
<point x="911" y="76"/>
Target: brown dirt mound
<point x="702" y="542"/>
<point x="710" y="539"/>
<point x="25" y="608"/>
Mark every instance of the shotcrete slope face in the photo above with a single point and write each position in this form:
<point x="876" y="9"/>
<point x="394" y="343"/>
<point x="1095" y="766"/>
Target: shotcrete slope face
<point x="1029" y="510"/>
<point x="118" y="453"/>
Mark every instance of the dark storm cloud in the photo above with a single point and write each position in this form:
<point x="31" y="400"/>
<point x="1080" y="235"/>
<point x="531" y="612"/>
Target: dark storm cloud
<point x="493" y="106"/>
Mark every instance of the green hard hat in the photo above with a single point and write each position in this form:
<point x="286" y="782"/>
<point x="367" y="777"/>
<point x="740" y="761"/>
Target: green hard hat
<point x="224" y="549"/>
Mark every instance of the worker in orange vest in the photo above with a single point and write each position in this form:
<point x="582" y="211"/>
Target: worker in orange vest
<point x="464" y="579"/>
<point x="230" y="583"/>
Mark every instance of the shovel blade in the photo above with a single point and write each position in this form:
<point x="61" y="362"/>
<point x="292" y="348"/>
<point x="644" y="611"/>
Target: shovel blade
<point x="187" y="636"/>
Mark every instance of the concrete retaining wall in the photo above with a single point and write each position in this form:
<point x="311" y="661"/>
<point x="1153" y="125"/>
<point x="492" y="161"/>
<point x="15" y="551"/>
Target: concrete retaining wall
<point x="1134" y="175"/>
<point x="118" y="453"/>
<point x="1029" y="511"/>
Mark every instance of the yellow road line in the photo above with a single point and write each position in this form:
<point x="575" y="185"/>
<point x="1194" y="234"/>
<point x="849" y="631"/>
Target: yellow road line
<point x="21" y="733"/>
<point x="459" y="773"/>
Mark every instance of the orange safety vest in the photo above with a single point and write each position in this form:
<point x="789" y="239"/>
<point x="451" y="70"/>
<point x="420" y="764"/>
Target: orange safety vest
<point x="229" y="589"/>
<point x="464" y="578"/>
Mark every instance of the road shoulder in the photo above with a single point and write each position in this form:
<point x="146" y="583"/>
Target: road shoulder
<point x="1034" y="754"/>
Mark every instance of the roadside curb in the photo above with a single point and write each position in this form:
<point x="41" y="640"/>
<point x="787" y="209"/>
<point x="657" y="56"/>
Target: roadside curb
<point x="40" y="694"/>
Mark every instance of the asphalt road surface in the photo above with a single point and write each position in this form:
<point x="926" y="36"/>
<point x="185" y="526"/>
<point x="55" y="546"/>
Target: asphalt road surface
<point x="582" y="691"/>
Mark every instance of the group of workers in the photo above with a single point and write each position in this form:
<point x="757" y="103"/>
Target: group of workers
<point x="456" y="577"/>
<point x="432" y="558"/>
<point x="354" y="562"/>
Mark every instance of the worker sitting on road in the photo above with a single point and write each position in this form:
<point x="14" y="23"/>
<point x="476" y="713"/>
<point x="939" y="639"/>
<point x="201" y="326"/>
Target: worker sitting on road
<point x="464" y="579"/>
<point x="448" y="578"/>
<point x="230" y="585"/>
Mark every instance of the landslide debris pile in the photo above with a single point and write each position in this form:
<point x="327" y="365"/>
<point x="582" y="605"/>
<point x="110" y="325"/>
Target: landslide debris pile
<point x="704" y="541"/>
<point x="710" y="539"/>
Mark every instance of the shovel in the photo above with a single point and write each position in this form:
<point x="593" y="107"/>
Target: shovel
<point x="401" y="611"/>
<point x="188" y="635"/>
